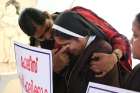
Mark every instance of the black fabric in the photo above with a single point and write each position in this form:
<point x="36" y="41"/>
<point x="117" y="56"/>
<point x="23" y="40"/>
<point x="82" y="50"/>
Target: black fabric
<point x="60" y="80"/>
<point x="93" y="28"/>
<point x="69" y="20"/>
<point x="74" y="22"/>
<point x="133" y="80"/>
<point x="33" y="41"/>
<point x="47" y="44"/>
<point x="122" y="74"/>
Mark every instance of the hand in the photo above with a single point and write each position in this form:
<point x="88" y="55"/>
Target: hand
<point x="102" y="63"/>
<point x="60" y="59"/>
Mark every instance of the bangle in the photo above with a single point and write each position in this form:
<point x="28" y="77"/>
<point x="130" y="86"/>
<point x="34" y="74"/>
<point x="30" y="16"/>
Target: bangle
<point x="117" y="55"/>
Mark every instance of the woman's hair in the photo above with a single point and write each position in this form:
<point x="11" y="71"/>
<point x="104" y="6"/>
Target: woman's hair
<point x="30" y="16"/>
<point x="138" y="17"/>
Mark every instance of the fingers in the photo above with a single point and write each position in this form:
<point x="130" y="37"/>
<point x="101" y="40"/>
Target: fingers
<point x="59" y="62"/>
<point x="96" y="56"/>
<point x="54" y="51"/>
<point x="61" y="59"/>
<point x="63" y="49"/>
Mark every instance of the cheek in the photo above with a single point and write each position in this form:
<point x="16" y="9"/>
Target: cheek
<point x="71" y="47"/>
<point x="136" y="48"/>
<point x="75" y="47"/>
<point x="135" y="27"/>
<point x="59" y="41"/>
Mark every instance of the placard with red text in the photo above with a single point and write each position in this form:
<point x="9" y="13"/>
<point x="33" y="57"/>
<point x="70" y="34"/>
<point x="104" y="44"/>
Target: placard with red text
<point x="101" y="88"/>
<point x="34" y="67"/>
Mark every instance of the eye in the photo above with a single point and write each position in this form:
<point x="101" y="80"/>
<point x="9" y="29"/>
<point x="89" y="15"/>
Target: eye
<point x="135" y="35"/>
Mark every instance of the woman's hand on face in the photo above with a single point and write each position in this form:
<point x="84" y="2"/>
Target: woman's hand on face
<point x="60" y="59"/>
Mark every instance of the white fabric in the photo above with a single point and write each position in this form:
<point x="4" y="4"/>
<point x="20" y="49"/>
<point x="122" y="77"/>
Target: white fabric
<point x="91" y="38"/>
<point x="66" y="31"/>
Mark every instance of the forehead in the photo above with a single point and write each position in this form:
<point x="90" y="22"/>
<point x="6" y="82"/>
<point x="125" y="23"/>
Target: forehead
<point x="64" y="40"/>
<point x="136" y="23"/>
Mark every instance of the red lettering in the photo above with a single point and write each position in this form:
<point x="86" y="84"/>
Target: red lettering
<point x="30" y="87"/>
<point x="29" y="63"/>
<point x="46" y="91"/>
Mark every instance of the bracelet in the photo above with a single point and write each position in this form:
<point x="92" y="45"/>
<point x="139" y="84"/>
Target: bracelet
<point x="117" y="55"/>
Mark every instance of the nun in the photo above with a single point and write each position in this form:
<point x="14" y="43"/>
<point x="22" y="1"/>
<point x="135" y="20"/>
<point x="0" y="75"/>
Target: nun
<point x="82" y="40"/>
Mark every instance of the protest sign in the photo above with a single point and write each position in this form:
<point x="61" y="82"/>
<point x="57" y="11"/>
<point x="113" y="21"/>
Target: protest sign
<point x="34" y="67"/>
<point x="100" y="88"/>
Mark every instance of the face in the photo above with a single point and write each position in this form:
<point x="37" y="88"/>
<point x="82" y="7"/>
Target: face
<point x="43" y="32"/>
<point x="135" y="41"/>
<point x="75" y="46"/>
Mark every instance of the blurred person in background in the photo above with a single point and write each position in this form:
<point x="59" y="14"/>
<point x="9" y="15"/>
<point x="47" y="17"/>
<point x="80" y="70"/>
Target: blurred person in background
<point x="133" y="80"/>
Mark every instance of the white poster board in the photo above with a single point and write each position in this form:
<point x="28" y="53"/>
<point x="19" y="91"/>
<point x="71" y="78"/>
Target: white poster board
<point x="34" y="68"/>
<point x="100" y="88"/>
